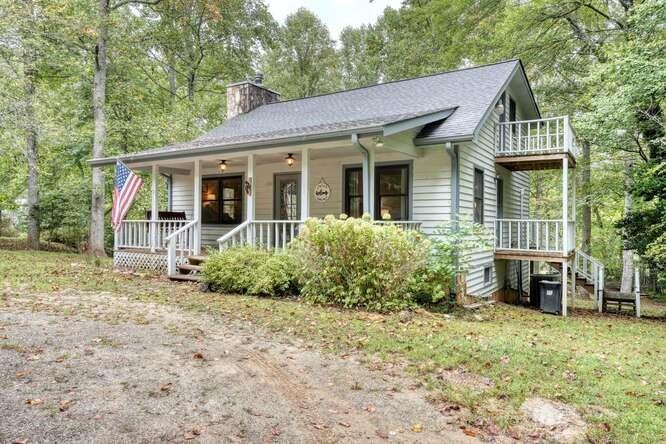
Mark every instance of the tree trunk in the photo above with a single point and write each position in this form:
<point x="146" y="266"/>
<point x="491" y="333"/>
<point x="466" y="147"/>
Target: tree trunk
<point x="31" y="151"/>
<point x="30" y="128"/>
<point x="96" y="237"/>
<point x="586" y="240"/>
<point x="627" y="255"/>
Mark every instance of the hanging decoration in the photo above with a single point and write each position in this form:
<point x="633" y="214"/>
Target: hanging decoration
<point x="322" y="191"/>
<point x="248" y="187"/>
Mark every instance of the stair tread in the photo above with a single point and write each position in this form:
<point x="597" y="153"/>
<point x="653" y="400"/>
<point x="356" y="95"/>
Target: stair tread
<point x="185" y="277"/>
<point x="195" y="260"/>
<point x="190" y="267"/>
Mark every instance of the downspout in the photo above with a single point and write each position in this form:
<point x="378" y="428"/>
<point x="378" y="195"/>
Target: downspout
<point x="452" y="151"/>
<point x="368" y="192"/>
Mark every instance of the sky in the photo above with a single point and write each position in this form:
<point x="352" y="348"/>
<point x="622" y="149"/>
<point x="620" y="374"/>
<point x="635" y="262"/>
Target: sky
<point x="336" y="14"/>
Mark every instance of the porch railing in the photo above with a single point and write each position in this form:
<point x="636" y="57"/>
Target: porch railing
<point x="533" y="235"/>
<point x="592" y="270"/>
<point x="277" y="234"/>
<point x="146" y="234"/>
<point x="183" y="243"/>
<point x="538" y="136"/>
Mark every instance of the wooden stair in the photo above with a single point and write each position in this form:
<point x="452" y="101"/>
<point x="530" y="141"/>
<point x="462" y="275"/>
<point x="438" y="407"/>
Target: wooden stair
<point x="191" y="271"/>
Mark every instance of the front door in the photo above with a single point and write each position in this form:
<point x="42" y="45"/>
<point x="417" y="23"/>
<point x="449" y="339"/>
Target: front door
<point x="286" y="198"/>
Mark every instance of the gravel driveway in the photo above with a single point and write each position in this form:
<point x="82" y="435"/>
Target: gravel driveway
<point x="85" y="366"/>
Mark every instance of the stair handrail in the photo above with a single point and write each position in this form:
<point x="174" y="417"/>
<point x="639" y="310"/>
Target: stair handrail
<point x="592" y="270"/>
<point x="172" y="244"/>
<point x="225" y="238"/>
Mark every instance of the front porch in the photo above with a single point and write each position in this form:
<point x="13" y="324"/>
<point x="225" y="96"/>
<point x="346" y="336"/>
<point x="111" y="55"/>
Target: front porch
<point x="262" y="198"/>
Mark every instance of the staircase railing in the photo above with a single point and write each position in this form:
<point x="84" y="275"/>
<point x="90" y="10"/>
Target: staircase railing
<point x="592" y="270"/>
<point x="183" y="242"/>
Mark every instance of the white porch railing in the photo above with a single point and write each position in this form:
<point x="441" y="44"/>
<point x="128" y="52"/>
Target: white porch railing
<point x="181" y="242"/>
<point x="146" y="234"/>
<point x="533" y="235"/>
<point x="539" y="136"/>
<point x="276" y="234"/>
<point x="592" y="271"/>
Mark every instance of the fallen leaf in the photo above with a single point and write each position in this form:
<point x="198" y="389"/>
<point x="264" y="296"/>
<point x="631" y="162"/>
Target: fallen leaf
<point x="470" y="432"/>
<point x="382" y="434"/>
<point x="370" y="408"/>
<point x="166" y="387"/>
<point x="191" y="434"/>
<point x="35" y="401"/>
<point x="20" y="441"/>
<point x="504" y="359"/>
<point x="344" y="424"/>
<point x="21" y="374"/>
<point x="198" y="355"/>
<point x="417" y="427"/>
<point x="64" y="404"/>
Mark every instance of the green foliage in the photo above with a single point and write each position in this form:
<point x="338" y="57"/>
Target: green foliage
<point x="357" y="263"/>
<point x="251" y="271"/>
<point x="448" y="256"/>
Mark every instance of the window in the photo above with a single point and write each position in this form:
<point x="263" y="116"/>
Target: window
<point x="392" y="196"/>
<point x="222" y="200"/>
<point x="478" y="195"/>
<point x="486" y="275"/>
<point x="499" y="184"/>
<point x="354" y="192"/>
<point x="512" y="115"/>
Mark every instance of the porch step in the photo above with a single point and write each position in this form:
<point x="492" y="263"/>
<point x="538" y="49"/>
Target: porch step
<point x="196" y="260"/>
<point x="187" y="268"/>
<point x="185" y="277"/>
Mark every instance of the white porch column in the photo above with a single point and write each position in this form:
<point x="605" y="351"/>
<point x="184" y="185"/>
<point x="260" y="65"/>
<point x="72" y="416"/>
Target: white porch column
<point x="565" y="286"/>
<point x="565" y="204"/>
<point x="369" y="182"/>
<point x="154" y="207"/>
<point x="250" y="205"/>
<point x="196" y="177"/>
<point x="305" y="183"/>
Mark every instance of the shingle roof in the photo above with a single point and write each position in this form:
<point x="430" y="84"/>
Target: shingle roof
<point x="471" y="91"/>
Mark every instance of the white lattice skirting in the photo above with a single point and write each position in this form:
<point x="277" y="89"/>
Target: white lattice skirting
<point x="143" y="261"/>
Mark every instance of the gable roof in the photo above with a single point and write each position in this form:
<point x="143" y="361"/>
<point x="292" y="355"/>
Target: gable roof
<point x="452" y="105"/>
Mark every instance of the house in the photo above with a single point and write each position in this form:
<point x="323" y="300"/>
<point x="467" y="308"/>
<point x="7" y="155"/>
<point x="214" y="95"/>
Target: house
<point x="421" y="151"/>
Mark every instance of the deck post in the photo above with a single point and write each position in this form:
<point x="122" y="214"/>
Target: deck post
<point x="369" y="182"/>
<point x="565" y="285"/>
<point x="196" y="177"/>
<point x="637" y="291"/>
<point x="154" y="207"/>
<point x="565" y="205"/>
<point x="305" y="183"/>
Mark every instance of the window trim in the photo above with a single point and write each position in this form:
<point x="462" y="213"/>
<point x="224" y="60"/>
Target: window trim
<point x="220" y="200"/>
<point x="276" y="207"/>
<point x="475" y="197"/>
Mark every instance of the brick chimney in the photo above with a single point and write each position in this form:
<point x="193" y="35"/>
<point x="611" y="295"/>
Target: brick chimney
<point x="243" y="97"/>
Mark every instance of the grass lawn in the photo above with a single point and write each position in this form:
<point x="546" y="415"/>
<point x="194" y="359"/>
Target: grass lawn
<point x="612" y="369"/>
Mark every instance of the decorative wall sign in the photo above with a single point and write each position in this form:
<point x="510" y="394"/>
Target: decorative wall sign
<point x="322" y="191"/>
<point x="248" y="187"/>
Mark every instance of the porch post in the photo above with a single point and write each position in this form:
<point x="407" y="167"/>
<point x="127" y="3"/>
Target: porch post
<point x="154" y="208"/>
<point x="565" y="286"/>
<point x="565" y="205"/>
<point x="369" y="182"/>
<point x="197" y="205"/>
<point x="305" y="183"/>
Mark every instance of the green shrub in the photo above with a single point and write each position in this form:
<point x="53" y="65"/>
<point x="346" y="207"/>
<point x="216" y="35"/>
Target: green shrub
<point x="251" y="271"/>
<point x="355" y="263"/>
<point x="447" y="256"/>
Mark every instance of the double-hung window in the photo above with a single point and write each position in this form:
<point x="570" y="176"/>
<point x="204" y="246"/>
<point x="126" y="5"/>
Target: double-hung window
<point x="354" y="192"/>
<point x="478" y="195"/>
<point x="391" y="192"/>
<point x="222" y="200"/>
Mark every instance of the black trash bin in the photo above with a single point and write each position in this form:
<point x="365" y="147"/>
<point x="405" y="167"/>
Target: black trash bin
<point x="550" y="293"/>
<point x="535" y="293"/>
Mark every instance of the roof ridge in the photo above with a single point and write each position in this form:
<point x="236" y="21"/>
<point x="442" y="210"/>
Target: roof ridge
<point x="391" y="81"/>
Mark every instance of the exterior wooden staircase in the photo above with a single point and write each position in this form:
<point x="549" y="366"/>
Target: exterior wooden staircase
<point x="191" y="271"/>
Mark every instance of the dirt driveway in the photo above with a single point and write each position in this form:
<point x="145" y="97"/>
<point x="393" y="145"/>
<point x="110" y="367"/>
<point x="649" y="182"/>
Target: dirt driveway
<point x="82" y="366"/>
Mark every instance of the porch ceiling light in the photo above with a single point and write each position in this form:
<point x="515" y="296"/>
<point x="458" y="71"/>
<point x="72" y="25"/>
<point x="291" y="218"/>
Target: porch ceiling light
<point x="222" y="165"/>
<point x="379" y="142"/>
<point x="290" y="159"/>
<point x="499" y="108"/>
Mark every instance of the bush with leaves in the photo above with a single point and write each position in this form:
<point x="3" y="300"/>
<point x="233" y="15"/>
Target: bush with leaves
<point x="448" y="256"/>
<point x="251" y="271"/>
<point x="356" y="263"/>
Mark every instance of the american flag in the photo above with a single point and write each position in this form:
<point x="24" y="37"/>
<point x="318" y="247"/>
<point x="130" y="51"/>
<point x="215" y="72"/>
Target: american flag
<point x="126" y="186"/>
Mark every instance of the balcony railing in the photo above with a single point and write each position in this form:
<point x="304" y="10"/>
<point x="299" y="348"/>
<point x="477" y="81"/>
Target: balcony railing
<point x="534" y="235"/>
<point x="539" y="136"/>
